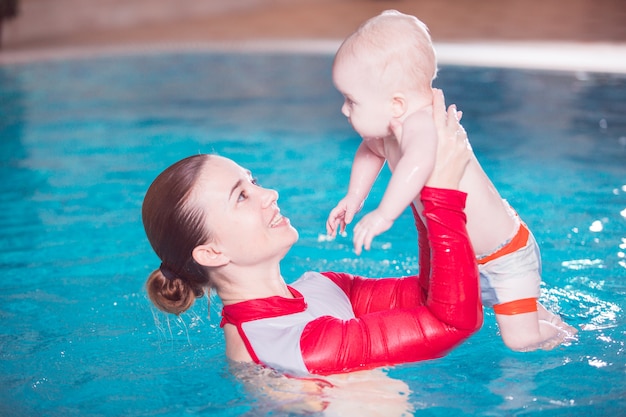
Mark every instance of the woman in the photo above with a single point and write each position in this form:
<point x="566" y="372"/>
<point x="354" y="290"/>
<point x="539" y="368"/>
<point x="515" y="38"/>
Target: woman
<point x="213" y="226"/>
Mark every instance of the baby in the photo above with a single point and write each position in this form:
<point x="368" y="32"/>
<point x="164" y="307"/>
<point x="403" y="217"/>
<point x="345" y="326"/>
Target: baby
<point x="384" y="71"/>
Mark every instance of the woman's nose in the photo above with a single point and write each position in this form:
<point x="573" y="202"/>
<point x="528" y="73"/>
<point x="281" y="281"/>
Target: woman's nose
<point x="270" y="197"/>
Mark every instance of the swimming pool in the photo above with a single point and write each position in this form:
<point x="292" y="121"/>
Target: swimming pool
<point x="81" y="140"/>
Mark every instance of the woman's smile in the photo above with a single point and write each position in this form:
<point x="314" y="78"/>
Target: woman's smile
<point x="279" y="220"/>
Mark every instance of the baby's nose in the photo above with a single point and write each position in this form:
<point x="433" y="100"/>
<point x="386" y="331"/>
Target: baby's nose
<point x="344" y="110"/>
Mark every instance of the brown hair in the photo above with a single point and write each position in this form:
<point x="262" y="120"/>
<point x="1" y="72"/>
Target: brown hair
<point x="174" y="228"/>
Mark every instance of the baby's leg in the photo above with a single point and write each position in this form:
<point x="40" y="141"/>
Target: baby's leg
<point x="531" y="331"/>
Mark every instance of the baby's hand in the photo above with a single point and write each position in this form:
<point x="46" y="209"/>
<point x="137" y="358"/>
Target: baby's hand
<point x="372" y="224"/>
<point x="343" y="214"/>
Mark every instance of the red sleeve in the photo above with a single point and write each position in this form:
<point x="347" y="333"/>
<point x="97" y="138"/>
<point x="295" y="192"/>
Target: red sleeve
<point x="372" y="295"/>
<point x="424" y="250"/>
<point x="405" y="331"/>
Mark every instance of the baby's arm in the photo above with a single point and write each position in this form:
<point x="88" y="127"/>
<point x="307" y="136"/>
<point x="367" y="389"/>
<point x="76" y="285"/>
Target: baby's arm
<point x="365" y="169"/>
<point x="417" y="139"/>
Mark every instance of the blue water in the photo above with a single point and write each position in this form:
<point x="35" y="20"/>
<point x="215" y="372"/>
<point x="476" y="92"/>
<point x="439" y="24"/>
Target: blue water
<point x="81" y="140"/>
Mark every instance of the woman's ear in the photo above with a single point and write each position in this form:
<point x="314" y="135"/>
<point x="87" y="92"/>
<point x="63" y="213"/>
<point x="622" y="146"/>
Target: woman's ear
<point x="209" y="255"/>
<point x="399" y="105"/>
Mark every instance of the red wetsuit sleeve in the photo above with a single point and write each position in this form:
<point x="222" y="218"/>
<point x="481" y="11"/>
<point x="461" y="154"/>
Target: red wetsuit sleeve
<point x="394" y="323"/>
<point x="424" y="251"/>
<point x="370" y="295"/>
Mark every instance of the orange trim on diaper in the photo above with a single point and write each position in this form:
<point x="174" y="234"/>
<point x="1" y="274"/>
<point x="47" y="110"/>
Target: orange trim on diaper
<point x="525" y="305"/>
<point x="519" y="241"/>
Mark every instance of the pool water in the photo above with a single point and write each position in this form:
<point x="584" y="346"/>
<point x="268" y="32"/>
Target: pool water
<point x="81" y="140"/>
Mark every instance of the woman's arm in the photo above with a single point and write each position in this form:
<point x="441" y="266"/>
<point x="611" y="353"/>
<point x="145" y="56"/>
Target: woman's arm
<point x="451" y="312"/>
<point x="424" y="251"/>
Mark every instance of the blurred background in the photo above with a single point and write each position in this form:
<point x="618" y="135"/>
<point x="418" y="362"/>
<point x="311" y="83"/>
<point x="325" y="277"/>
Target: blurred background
<point x="43" y="24"/>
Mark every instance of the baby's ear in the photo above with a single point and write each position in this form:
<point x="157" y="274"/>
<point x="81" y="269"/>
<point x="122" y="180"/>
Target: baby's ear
<point x="209" y="255"/>
<point x="399" y="105"/>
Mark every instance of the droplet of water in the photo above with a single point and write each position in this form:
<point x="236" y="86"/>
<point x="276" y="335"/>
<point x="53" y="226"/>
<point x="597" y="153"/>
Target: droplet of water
<point x="596" y="226"/>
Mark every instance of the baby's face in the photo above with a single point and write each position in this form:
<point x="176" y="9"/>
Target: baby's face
<point x="367" y="103"/>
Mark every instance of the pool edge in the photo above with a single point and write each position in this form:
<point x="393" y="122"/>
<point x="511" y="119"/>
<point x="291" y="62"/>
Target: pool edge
<point x="559" y="56"/>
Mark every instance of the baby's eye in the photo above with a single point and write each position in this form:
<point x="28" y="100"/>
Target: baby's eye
<point x="254" y="181"/>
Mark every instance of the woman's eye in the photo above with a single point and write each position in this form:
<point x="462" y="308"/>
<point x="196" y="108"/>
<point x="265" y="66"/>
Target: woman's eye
<point x="243" y="195"/>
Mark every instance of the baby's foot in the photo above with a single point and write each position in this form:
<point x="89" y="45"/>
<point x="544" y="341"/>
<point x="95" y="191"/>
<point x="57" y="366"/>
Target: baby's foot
<point x="570" y="331"/>
<point x="565" y="334"/>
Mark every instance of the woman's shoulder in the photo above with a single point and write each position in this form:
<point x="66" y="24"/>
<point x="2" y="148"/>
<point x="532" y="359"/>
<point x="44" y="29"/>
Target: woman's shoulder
<point x="323" y="295"/>
<point x="314" y="282"/>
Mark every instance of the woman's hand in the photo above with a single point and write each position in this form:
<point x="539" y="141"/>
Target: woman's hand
<point x="453" y="148"/>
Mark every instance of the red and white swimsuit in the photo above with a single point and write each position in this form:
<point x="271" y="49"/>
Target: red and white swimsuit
<point x="339" y="322"/>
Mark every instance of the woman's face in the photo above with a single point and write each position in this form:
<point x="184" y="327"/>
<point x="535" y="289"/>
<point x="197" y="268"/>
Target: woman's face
<point x="243" y="218"/>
